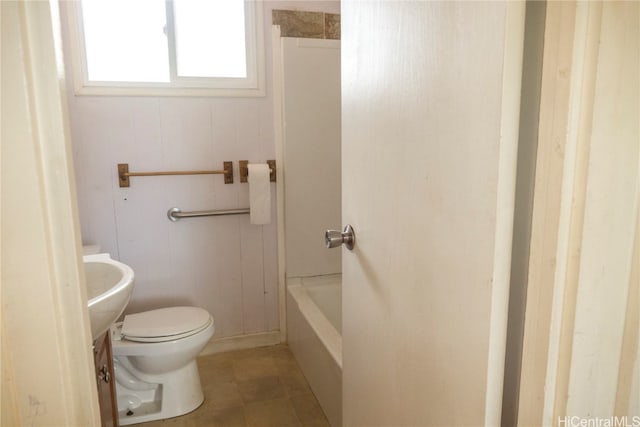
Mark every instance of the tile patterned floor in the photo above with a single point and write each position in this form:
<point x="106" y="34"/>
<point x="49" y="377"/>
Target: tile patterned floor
<point x="258" y="387"/>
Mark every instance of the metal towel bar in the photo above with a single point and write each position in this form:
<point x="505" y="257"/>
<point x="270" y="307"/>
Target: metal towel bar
<point x="175" y="214"/>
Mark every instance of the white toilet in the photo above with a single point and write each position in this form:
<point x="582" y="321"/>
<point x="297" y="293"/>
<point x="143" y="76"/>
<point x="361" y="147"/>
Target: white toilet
<point x="154" y="361"/>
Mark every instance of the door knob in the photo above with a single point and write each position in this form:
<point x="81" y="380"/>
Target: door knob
<point x="335" y="238"/>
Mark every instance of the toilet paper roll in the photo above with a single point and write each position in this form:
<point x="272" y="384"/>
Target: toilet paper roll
<point x="259" y="193"/>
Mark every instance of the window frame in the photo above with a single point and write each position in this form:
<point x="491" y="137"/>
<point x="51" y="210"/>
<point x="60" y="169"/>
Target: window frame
<point x="251" y="86"/>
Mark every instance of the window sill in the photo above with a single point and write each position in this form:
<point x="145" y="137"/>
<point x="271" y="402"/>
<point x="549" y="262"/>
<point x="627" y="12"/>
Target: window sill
<point x="169" y="91"/>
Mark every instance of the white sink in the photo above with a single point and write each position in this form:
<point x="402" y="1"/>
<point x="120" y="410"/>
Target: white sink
<point x="109" y="287"/>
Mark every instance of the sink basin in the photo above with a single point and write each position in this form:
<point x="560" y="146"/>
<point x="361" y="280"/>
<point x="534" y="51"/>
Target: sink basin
<point x="109" y="287"/>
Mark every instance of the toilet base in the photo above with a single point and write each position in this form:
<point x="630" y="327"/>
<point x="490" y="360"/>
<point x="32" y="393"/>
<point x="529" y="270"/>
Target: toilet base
<point x="166" y="396"/>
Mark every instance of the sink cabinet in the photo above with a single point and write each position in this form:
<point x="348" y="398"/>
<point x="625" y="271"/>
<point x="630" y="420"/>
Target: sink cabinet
<point x="106" y="380"/>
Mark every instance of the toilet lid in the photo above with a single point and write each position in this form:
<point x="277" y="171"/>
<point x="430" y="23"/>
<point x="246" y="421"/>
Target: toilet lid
<point x="164" y="323"/>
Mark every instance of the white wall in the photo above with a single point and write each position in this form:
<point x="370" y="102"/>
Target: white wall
<point x="222" y="264"/>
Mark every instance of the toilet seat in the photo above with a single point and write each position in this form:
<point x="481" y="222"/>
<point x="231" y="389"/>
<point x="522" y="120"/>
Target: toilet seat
<point x="164" y="324"/>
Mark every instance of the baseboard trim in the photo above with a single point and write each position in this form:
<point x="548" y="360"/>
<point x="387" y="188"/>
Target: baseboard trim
<point x="240" y="342"/>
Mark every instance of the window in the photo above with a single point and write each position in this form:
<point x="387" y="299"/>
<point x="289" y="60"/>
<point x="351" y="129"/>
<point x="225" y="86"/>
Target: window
<point x="160" y="47"/>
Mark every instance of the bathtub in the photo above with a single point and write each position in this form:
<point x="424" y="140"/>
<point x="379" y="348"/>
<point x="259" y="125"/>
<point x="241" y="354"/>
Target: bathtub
<point x="314" y="329"/>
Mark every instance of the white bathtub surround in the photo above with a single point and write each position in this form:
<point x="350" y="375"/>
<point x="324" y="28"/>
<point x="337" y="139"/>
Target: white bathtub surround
<point x="314" y="324"/>
<point x="309" y="149"/>
<point x="311" y="159"/>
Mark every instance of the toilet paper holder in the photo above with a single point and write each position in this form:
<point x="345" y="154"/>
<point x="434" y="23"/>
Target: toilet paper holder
<point x="244" y="170"/>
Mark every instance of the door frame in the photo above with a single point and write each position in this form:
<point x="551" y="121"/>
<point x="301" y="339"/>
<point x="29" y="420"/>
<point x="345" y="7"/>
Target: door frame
<point x="570" y="73"/>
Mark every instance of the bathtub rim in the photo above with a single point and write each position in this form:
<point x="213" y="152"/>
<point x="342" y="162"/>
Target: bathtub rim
<point x="322" y="327"/>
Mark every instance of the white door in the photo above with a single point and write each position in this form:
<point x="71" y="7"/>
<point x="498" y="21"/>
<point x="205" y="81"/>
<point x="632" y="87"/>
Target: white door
<point x="47" y="373"/>
<point x="430" y="118"/>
